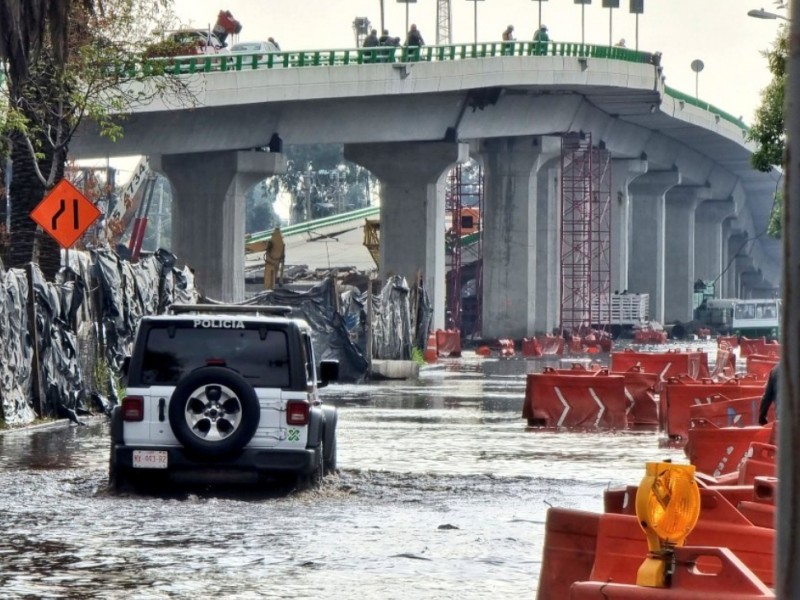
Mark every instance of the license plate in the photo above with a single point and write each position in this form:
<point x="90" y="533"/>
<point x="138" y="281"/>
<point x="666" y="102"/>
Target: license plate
<point x="149" y="459"/>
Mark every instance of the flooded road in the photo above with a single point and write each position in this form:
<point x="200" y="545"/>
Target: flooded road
<point x="442" y="493"/>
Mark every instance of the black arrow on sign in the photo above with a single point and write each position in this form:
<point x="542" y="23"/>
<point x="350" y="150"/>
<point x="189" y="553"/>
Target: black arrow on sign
<point x="60" y="211"/>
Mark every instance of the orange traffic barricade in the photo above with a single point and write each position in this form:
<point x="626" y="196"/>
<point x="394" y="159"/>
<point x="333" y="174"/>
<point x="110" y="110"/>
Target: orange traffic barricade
<point x="760" y="365"/>
<point x="679" y="395"/>
<point x="551" y="344"/>
<point x="531" y="348"/>
<point x="719" y="451"/>
<point x="448" y="342"/>
<point x="665" y="364"/>
<point x="760" y="346"/>
<point x="575" y="401"/>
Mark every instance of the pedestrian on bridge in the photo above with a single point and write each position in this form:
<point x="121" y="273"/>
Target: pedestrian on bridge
<point x="371" y="40"/>
<point x="414" y="37"/>
<point x="508" y="34"/>
<point x="541" y="34"/>
<point x="387" y="40"/>
<point x="541" y="37"/>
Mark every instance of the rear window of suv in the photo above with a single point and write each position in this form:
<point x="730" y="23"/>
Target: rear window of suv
<point x="260" y="356"/>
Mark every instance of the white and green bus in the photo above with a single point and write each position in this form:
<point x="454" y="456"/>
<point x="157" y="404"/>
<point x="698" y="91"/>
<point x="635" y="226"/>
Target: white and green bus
<point x="756" y="318"/>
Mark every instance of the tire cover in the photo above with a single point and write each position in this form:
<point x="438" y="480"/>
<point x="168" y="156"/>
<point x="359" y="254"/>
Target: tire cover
<point x="210" y="376"/>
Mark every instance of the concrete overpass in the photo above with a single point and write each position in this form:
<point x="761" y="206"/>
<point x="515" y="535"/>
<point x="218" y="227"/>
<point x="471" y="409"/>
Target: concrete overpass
<point x="687" y="203"/>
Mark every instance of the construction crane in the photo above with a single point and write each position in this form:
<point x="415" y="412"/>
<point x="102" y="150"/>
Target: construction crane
<point x="444" y="23"/>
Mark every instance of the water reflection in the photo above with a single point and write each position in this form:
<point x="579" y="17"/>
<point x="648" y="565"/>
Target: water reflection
<point x="442" y="494"/>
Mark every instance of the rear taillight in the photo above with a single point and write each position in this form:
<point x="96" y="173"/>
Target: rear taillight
<point x="133" y="408"/>
<point x="297" y="412"/>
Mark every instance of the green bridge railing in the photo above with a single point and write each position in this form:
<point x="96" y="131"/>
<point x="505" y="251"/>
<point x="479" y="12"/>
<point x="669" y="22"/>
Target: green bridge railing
<point x="400" y="54"/>
<point x="705" y="106"/>
<point x="309" y="226"/>
<point x="382" y="54"/>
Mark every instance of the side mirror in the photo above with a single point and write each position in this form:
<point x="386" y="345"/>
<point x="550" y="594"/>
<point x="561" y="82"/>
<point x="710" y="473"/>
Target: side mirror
<point x="328" y="371"/>
<point x="126" y="364"/>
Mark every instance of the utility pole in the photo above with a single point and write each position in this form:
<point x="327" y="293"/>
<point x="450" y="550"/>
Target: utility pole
<point x="444" y="23"/>
<point x="787" y="543"/>
<point x="383" y="14"/>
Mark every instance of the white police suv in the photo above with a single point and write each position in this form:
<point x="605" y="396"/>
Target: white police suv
<point x="223" y="393"/>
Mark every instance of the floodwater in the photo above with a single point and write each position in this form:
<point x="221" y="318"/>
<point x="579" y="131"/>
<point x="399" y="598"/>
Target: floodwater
<point x="442" y="493"/>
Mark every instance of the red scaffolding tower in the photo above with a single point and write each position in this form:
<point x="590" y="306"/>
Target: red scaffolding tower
<point x="464" y="248"/>
<point x="585" y="234"/>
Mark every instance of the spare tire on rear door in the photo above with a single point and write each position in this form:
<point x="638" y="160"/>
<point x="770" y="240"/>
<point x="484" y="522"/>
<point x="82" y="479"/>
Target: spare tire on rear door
<point x="214" y="411"/>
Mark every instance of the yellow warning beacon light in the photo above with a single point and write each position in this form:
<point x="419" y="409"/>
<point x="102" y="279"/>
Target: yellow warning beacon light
<point x="667" y="506"/>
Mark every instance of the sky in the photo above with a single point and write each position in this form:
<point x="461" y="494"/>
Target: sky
<point x="718" y="32"/>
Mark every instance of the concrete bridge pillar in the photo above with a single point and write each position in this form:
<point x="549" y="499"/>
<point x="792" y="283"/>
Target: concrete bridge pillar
<point x="548" y="252"/>
<point x="208" y="209"/>
<point x="646" y="263"/>
<point x="708" y="256"/>
<point x="679" y="248"/>
<point x="517" y="185"/>
<point x="731" y="242"/>
<point x="623" y="173"/>
<point x="413" y="178"/>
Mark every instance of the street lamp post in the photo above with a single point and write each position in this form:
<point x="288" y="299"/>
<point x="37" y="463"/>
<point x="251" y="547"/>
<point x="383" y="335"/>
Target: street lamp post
<point x="697" y="66"/>
<point x="407" y="2"/>
<point x="760" y="13"/>
<point x="475" y="19"/>
<point x="583" y="4"/>
<point x="610" y="5"/>
<point x="637" y="8"/>
<point x="540" y="12"/>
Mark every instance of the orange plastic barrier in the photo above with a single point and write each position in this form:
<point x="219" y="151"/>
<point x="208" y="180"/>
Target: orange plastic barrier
<point x="448" y="342"/>
<point x="760" y="346"/>
<point x="483" y="351"/>
<point x="760" y="515"/>
<point x="551" y="344"/>
<point x="728" y="578"/>
<point x="640" y="390"/>
<point x="507" y="347"/>
<point x="731" y="340"/>
<point x="621" y="545"/>
<point x="575" y="401"/>
<point x="759" y="365"/>
<point x="431" y="354"/>
<point x="568" y="553"/>
<point x="531" y="348"/>
<point x="759" y="461"/>
<point x="679" y="395"/>
<point x="649" y="336"/>
<point x="725" y="366"/>
<point x="720" y="451"/>
<point x="665" y="364"/>
<point x="724" y="412"/>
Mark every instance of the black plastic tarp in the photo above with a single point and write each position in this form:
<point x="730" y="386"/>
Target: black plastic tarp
<point x="329" y="333"/>
<point x="16" y="351"/>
